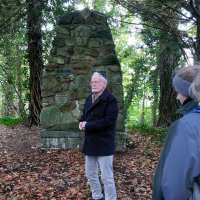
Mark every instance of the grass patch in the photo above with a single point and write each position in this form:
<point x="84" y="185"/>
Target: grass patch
<point x="9" y="121"/>
<point x="158" y="134"/>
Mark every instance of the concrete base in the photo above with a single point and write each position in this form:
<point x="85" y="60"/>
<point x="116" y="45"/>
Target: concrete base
<point x="72" y="139"/>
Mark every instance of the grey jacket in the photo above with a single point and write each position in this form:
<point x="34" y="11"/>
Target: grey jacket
<point x="178" y="169"/>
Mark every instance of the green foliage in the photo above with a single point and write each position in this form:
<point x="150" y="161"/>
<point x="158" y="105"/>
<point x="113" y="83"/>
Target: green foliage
<point x="138" y="60"/>
<point x="158" y="134"/>
<point x="9" y="121"/>
<point x="135" y="112"/>
<point x="14" y="69"/>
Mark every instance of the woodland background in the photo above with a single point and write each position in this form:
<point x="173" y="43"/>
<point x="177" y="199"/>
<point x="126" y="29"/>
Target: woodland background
<point x="152" y="39"/>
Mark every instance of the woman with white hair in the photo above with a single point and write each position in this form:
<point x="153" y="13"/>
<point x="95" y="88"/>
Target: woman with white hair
<point x="177" y="175"/>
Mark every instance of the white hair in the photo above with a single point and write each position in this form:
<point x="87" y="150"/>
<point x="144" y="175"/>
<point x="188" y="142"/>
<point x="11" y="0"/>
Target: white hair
<point x="195" y="87"/>
<point x="101" y="77"/>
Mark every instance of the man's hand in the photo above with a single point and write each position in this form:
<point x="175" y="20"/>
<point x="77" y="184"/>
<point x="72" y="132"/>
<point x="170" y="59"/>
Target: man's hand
<point x="82" y="125"/>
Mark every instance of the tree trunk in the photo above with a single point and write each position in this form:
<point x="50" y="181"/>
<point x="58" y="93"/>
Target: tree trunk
<point x="34" y="20"/>
<point x="131" y="91"/>
<point x="155" y="87"/>
<point x="197" y="48"/>
<point x="8" y="100"/>
<point x="20" y="105"/>
<point x="168" y="58"/>
<point x="142" y="117"/>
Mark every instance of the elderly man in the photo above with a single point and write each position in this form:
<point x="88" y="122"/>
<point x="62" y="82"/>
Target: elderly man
<point x="99" y="121"/>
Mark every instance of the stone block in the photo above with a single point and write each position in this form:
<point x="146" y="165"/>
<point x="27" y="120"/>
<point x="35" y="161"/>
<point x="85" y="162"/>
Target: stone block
<point x="74" y="139"/>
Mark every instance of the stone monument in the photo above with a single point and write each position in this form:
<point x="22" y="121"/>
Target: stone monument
<point x="83" y="44"/>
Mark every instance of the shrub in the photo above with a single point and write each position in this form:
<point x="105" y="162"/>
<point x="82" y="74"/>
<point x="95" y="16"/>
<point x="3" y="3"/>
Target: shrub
<point x="158" y="134"/>
<point x="9" y="121"/>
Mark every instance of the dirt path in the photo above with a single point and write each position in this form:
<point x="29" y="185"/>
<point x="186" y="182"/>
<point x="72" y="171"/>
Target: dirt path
<point x="19" y="138"/>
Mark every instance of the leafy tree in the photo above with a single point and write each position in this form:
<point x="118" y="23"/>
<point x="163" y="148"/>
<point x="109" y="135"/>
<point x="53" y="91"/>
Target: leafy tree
<point x="161" y="33"/>
<point x="10" y="54"/>
<point x="159" y="14"/>
<point x="12" y="73"/>
<point x="27" y="51"/>
<point x="160" y="20"/>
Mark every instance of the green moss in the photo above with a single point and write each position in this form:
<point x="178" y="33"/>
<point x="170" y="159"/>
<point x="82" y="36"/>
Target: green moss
<point x="9" y="121"/>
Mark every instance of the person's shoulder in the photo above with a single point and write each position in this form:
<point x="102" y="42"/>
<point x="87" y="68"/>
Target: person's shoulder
<point x="189" y="125"/>
<point x="189" y="121"/>
<point x="111" y="95"/>
<point x="88" y="97"/>
<point x="108" y="96"/>
<point x="192" y="117"/>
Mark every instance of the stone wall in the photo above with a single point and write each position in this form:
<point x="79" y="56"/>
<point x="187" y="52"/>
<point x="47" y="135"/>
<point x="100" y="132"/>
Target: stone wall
<point x="83" y="44"/>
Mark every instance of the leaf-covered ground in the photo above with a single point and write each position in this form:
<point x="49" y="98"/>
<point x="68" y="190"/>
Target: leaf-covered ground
<point x="29" y="173"/>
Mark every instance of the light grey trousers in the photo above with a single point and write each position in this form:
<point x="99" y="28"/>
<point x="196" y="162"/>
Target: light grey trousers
<point x="106" y="167"/>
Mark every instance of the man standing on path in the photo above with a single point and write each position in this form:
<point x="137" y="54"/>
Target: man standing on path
<point x="99" y="121"/>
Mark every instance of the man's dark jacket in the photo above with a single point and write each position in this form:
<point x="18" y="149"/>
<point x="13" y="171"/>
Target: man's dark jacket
<point x="101" y="119"/>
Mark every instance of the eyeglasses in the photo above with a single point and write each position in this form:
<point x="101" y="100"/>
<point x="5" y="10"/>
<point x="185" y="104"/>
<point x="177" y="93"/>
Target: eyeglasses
<point x="94" y="82"/>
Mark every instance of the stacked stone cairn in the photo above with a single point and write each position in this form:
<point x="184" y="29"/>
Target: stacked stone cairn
<point x="83" y="45"/>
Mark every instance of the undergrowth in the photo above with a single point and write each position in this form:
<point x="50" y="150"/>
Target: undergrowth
<point x="9" y="121"/>
<point x="158" y="134"/>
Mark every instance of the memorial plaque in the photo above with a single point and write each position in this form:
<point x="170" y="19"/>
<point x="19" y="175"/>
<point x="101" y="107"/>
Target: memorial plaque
<point x="64" y="72"/>
<point x="62" y="99"/>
